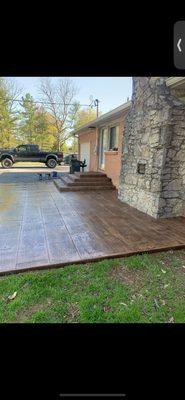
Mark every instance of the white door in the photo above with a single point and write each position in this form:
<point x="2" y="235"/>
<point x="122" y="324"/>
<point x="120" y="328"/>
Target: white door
<point x="103" y="147"/>
<point x="85" y="154"/>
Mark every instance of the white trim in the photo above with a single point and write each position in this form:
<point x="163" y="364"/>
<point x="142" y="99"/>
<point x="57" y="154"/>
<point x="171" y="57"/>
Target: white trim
<point x="174" y="81"/>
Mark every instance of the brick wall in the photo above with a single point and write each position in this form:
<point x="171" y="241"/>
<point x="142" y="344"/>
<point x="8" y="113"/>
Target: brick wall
<point x="90" y="137"/>
<point x="113" y="159"/>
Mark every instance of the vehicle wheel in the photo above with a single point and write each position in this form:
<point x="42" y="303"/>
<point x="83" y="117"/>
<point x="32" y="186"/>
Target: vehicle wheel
<point x="7" y="163"/>
<point x="51" y="163"/>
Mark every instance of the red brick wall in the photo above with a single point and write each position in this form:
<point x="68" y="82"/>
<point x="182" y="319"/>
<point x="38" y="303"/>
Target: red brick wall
<point x="113" y="159"/>
<point x="112" y="166"/>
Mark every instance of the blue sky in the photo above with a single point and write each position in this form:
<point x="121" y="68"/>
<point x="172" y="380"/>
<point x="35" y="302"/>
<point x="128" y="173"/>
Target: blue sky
<point x="111" y="91"/>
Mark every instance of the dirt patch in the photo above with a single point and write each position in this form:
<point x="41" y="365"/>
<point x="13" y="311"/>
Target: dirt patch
<point x="22" y="316"/>
<point x="167" y="257"/>
<point x="73" y="311"/>
<point x="173" y="259"/>
<point x="127" y="276"/>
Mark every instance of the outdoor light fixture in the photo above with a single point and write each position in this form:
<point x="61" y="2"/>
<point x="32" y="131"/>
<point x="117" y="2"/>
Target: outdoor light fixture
<point x="141" y="168"/>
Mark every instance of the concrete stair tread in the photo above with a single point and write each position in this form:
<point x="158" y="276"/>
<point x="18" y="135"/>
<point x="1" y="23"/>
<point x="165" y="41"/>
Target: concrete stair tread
<point x="68" y="182"/>
<point x="62" y="187"/>
<point x="89" y="174"/>
<point x="75" y="178"/>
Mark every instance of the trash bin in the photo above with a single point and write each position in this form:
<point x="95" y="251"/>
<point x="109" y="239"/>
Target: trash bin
<point x="75" y="166"/>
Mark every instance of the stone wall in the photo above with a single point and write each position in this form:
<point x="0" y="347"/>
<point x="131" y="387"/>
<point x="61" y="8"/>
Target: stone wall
<point x="154" y="141"/>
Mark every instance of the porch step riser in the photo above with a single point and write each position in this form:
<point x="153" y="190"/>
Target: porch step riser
<point x="90" y="174"/>
<point x="76" y="184"/>
<point x="86" y="179"/>
<point x="81" y="188"/>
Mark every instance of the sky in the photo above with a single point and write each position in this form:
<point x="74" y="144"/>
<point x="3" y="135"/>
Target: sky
<point x="110" y="91"/>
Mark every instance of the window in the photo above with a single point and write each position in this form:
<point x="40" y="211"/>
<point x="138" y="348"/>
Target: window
<point x="22" y="148"/>
<point x="113" y="138"/>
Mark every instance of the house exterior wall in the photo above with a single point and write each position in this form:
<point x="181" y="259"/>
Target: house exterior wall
<point x="112" y="158"/>
<point x="91" y="137"/>
<point x="154" y="136"/>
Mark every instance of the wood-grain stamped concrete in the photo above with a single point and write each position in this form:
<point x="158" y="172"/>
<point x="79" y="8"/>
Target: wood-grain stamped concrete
<point x="42" y="228"/>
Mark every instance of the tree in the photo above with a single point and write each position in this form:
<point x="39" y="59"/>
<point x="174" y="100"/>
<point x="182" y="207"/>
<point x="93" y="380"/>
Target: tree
<point x="8" y="115"/>
<point x="84" y="116"/>
<point x="59" y="101"/>
<point x="44" y="135"/>
<point x="74" y="145"/>
<point x="28" y="119"/>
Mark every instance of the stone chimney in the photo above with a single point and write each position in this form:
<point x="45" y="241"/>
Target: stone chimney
<point x="153" y="154"/>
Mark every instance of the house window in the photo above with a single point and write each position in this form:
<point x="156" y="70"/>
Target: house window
<point x="113" y="138"/>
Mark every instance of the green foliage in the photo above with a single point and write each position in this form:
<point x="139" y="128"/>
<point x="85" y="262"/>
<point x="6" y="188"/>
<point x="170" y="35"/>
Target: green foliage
<point x="43" y="132"/>
<point x="28" y="118"/>
<point x="83" y="116"/>
<point x="8" y="118"/>
<point x="35" y="125"/>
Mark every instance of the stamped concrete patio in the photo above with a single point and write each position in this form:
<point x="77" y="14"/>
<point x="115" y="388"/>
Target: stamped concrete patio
<point x="41" y="227"/>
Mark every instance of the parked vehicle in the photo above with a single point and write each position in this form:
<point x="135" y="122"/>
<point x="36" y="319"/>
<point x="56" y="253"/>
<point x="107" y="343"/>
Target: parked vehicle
<point x="67" y="158"/>
<point x="29" y="152"/>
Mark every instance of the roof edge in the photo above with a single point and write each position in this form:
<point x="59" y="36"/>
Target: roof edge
<point x="96" y="122"/>
<point x="172" y="81"/>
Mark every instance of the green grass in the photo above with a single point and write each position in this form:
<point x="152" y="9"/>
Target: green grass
<point x="145" y="288"/>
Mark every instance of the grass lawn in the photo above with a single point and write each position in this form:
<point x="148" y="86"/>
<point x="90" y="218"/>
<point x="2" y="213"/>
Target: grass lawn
<point x="145" y="288"/>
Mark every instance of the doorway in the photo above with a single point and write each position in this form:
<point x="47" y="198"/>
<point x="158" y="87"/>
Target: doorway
<point x="103" y="147"/>
<point x="85" y="154"/>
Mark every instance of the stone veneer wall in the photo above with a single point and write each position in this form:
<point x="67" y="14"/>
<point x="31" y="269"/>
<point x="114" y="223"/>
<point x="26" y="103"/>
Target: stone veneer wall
<point x="154" y="135"/>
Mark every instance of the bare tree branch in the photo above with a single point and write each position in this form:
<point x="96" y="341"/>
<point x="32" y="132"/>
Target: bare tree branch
<point x="61" y="105"/>
<point x="14" y="91"/>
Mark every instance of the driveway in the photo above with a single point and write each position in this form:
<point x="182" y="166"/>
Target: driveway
<point x="41" y="227"/>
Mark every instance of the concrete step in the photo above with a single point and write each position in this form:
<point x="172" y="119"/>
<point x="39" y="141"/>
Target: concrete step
<point x="66" y="180"/>
<point x="74" y="184"/>
<point x="84" y="181"/>
<point x="100" y="180"/>
<point x="80" y="182"/>
<point x="65" y="188"/>
<point x="90" y="174"/>
<point x="75" y="178"/>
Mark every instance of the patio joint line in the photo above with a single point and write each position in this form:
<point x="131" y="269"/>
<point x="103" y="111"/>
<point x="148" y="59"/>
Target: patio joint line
<point x="20" y="232"/>
<point x="46" y="240"/>
<point x="67" y="228"/>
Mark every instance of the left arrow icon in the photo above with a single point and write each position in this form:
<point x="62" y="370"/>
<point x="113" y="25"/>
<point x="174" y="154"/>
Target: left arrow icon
<point x="178" y="45"/>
